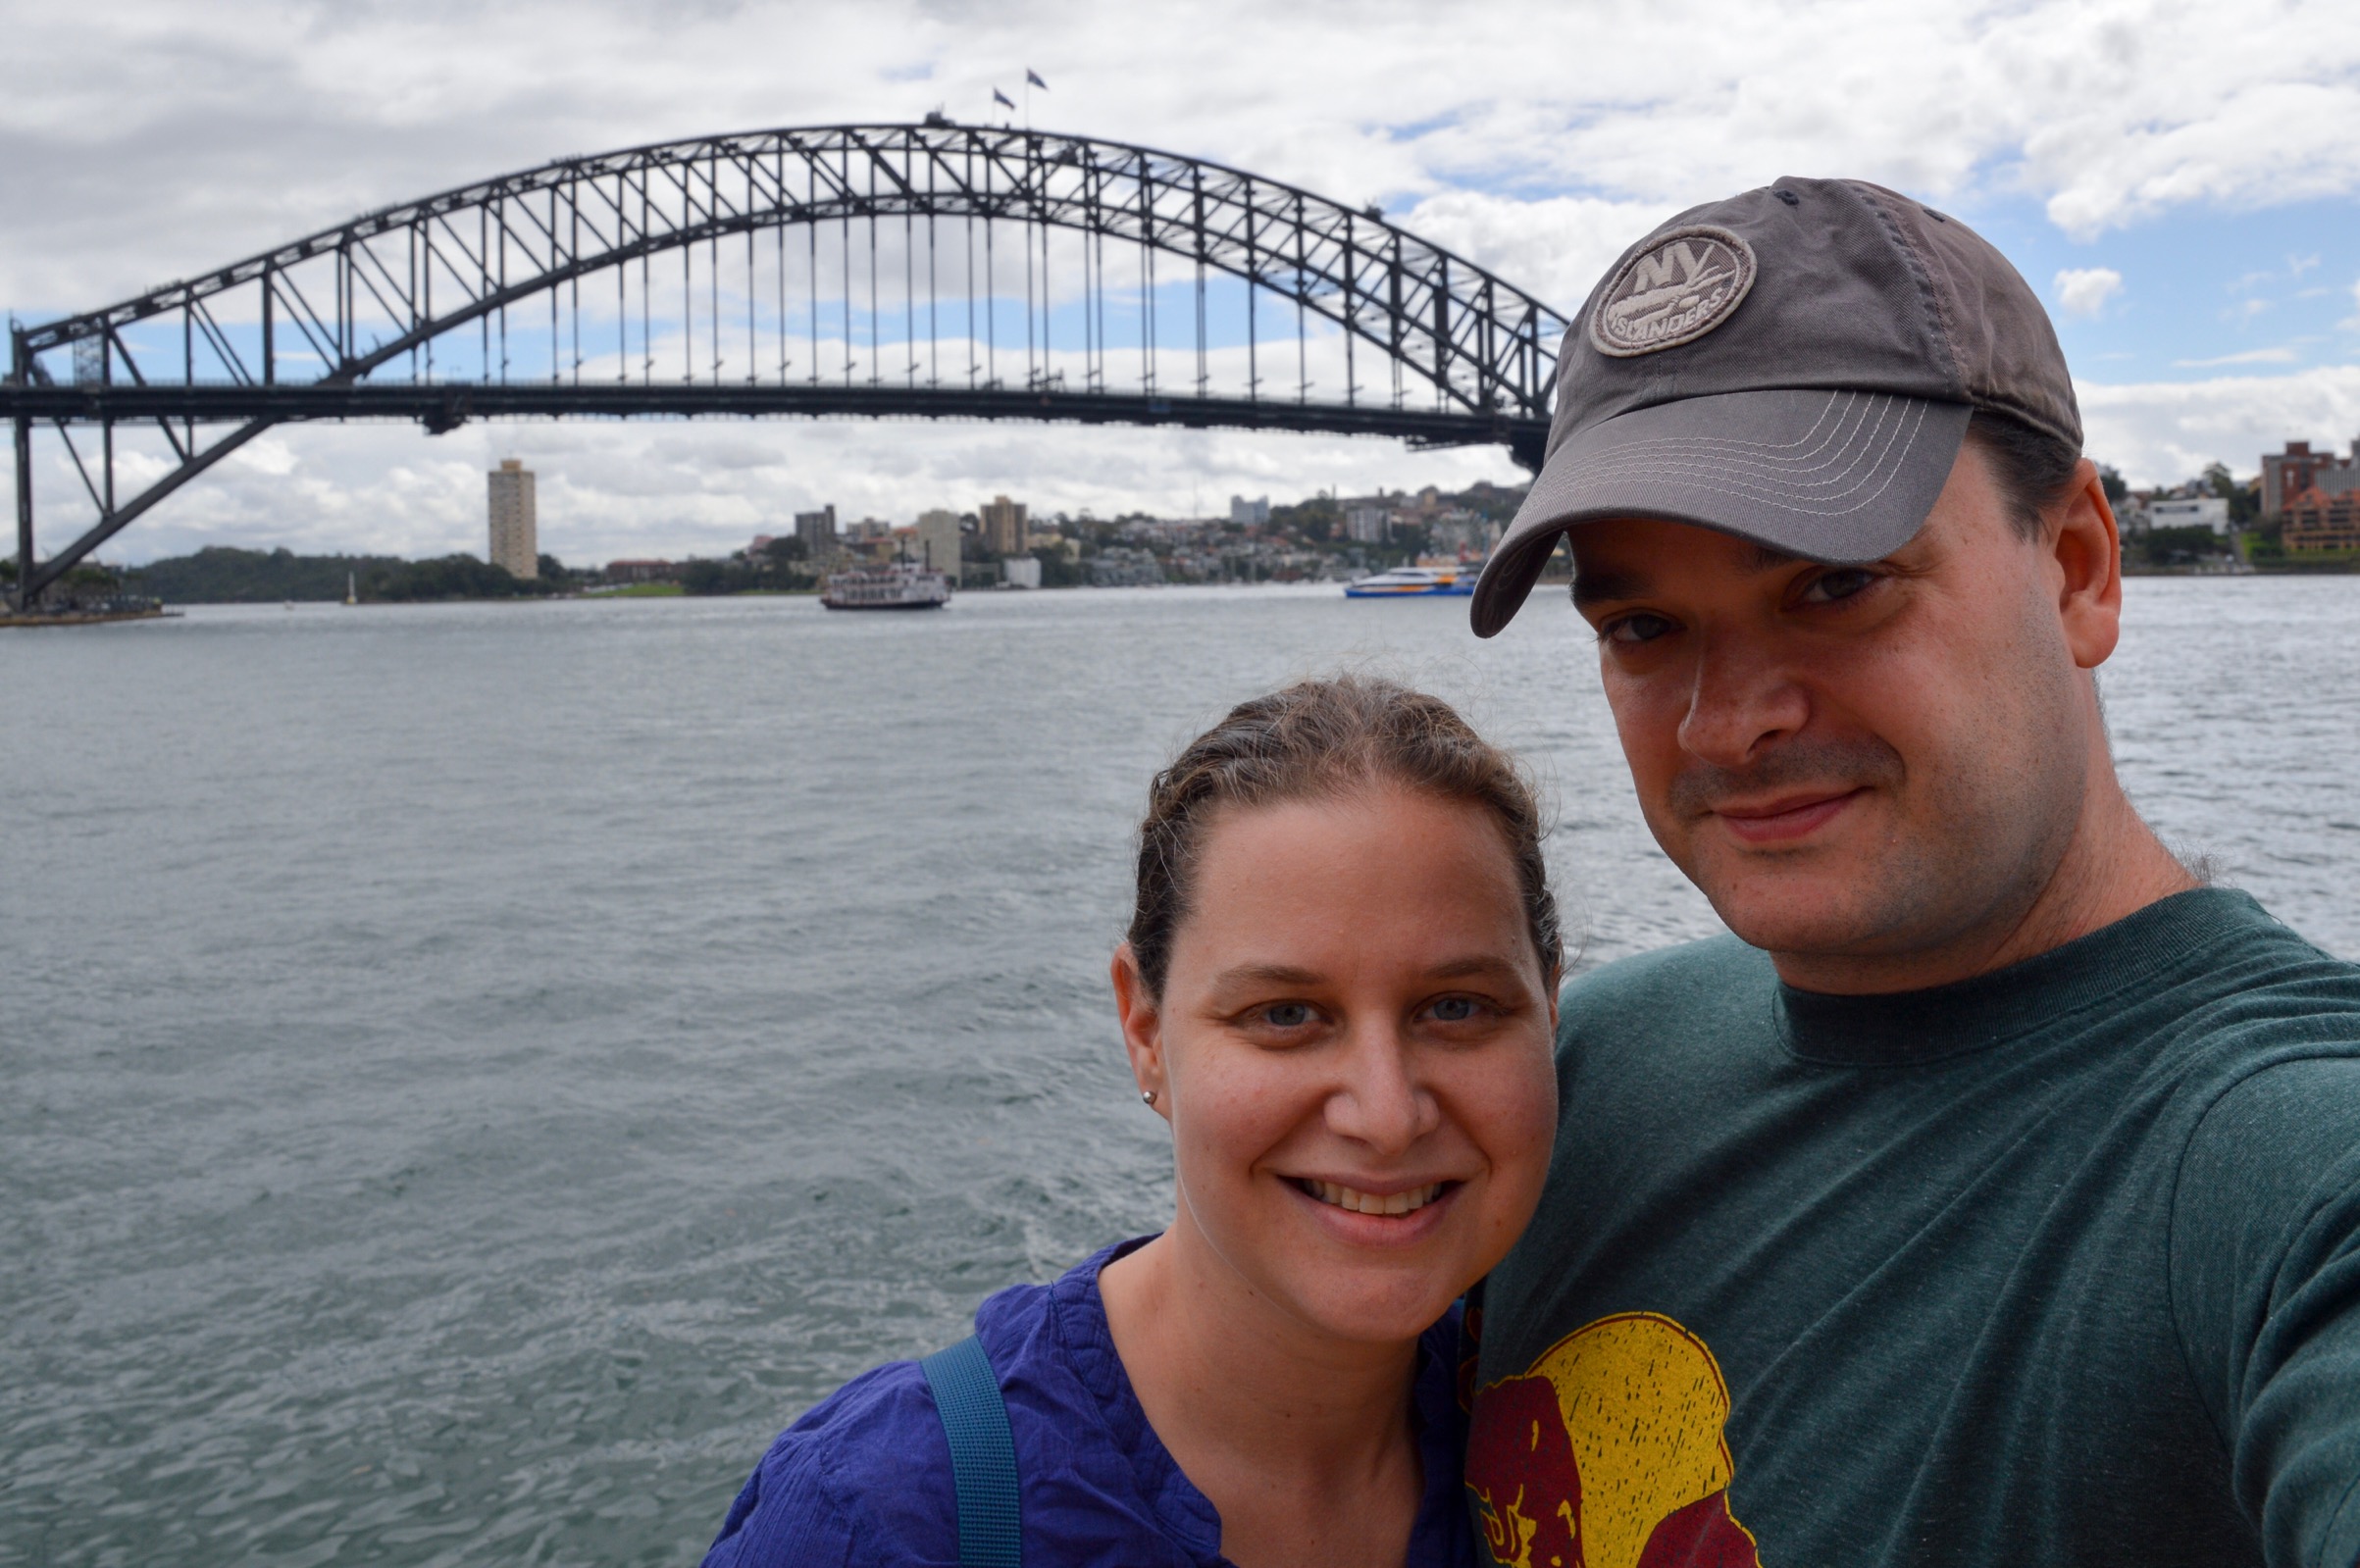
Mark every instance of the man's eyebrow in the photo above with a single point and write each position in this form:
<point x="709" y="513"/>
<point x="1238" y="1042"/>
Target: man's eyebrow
<point x="1599" y="587"/>
<point x="1604" y="587"/>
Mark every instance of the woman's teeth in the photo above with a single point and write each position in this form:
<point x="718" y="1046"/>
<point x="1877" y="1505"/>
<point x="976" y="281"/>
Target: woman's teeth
<point x="1359" y="1202"/>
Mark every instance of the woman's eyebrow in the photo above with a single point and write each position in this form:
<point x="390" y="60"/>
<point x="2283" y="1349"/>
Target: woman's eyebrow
<point x="1266" y="975"/>
<point x="1473" y="963"/>
<point x="1289" y="975"/>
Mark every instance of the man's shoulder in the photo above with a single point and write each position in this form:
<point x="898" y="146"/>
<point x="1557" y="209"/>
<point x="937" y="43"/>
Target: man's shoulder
<point x="1716" y="975"/>
<point x="2249" y="995"/>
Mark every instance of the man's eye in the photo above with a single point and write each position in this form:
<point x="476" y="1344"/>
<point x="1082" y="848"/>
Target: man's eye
<point x="1830" y="587"/>
<point x="1453" y="1009"/>
<point x="1633" y="630"/>
<point x="1286" y="1015"/>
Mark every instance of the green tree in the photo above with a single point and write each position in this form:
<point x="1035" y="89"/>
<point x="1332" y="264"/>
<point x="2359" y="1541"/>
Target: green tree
<point x="2174" y="546"/>
<point x="2244" y="500"/>
<point x="1318" y="519"/>
<point x="706" y="578"/>
<point x="449" y="577"/>
<point x="1056" y="570"/>
<point x="2111" y="480"/>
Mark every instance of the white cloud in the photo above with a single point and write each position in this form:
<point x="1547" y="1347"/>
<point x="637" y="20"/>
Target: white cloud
<point x="2084" y="290"/>
<point x="2280" y="355"/>
<point x="2163" y="431"/>
<point x="1556" y="247"/>
<point x="147" y="139"/>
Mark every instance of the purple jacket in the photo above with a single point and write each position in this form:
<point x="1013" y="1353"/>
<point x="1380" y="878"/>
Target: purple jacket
<point x="864" y="1480"/>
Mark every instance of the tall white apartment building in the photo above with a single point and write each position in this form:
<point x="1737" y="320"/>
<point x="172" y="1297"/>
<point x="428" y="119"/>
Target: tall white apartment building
<point x="514" y="527"/>
<point x="936" y="540"/>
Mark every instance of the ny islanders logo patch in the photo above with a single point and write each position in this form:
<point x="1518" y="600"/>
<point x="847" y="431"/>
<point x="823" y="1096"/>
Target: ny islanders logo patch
<point x="1608" y="1452"/>
<point x="1674" y="293"/>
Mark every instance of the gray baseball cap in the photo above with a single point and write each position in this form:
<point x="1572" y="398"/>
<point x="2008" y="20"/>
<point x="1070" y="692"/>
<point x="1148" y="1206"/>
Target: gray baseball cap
<point x="1795" y="365"/>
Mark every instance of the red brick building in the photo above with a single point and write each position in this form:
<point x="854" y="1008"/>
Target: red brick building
<point x="2318" y="520"/>
<point x="2287" y="475"/>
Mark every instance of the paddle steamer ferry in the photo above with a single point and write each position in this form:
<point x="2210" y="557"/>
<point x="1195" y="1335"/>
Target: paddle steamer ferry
<point x="900" y="585"/>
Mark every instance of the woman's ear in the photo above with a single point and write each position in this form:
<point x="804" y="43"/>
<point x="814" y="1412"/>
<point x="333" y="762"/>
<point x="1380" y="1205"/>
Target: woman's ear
<point x="1143" y="1030"/>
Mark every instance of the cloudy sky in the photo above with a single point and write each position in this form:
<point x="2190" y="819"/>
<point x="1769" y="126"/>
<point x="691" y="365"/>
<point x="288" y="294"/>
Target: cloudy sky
<point x="2179" y="181"/>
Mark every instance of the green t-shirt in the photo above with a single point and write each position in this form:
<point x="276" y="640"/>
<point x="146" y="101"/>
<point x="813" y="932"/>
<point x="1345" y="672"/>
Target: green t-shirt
<point x="2059" y="1265"/>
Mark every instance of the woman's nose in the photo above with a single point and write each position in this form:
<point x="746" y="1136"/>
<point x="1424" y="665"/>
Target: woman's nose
<point x="1380" y="1102"/>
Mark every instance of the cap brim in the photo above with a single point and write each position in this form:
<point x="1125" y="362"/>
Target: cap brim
<point x="1838" y="477"/>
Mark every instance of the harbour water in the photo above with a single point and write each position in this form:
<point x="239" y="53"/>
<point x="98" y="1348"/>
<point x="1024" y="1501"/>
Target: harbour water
<point x="469" y="1074"/>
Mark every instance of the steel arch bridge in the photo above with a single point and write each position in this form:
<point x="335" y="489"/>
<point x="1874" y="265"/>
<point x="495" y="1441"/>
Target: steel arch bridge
<point x="816" y="270"/>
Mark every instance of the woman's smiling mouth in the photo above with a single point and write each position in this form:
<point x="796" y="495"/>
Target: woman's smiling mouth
<point x="1387" y="1204"/>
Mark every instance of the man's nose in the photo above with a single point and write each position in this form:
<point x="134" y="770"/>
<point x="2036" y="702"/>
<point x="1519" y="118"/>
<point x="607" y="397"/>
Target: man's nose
<point x="1381" y="1103"/>
<point x="1738" y="701"/>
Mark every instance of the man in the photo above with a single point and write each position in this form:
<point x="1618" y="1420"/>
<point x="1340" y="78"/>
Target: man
<point x="1993" y="1196"/>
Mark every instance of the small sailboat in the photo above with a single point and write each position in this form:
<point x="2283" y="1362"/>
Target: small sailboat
<point x="352" y="591"/>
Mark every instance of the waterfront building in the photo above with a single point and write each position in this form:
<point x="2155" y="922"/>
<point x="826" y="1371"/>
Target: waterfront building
<point x="1461" y="536"/>
<point x="515" y="530"/>
<point x="640" y="571"/>
<point x="935" y="542"/>
<point x="1367" y="522"/>
<point x="2188" y="511"/>
<point x="1120" y="566"/>
<point x="817" y="530"/>
<point x="2319" y="521"/>
<point x="1004" y="525"/>
<point x="2288" y="474"/>
<point x="1020" y="572"/>
<point x="1250" y="513"/>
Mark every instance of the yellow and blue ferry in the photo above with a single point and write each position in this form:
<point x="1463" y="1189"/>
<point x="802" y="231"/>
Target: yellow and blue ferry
<point x="1414" y="583"/>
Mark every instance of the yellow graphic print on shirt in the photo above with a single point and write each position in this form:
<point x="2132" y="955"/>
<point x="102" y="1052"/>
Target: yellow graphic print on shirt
<point x="1608" y="1452"/>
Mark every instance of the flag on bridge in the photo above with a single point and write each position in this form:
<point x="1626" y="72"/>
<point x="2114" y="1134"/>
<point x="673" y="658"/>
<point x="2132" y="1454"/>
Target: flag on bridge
<point x="1034" y="76"/>
<point x="999" y="97"/>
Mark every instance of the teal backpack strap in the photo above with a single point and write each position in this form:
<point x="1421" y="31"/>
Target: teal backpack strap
<point x="983" y="1455"/>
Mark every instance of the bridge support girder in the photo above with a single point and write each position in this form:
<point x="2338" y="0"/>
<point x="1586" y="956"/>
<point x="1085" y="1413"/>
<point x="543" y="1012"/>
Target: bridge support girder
<point x="19" y="373"/>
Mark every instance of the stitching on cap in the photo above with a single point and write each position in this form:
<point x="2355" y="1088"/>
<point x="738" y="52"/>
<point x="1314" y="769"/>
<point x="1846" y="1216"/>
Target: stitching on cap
<point x="1890" y="472"/>
<point x="1866" y="446"/>
<point x="1944" y="330"/>
<point x="1847" y="426"/>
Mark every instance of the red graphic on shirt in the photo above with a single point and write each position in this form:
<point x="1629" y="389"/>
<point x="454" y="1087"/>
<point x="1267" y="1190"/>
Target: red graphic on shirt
<point x="1607" y="1453"/>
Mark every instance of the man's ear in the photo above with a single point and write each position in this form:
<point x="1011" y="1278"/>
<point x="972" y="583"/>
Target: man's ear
<point x="1143" y="1029"/>
<point x="2087" y="550"/>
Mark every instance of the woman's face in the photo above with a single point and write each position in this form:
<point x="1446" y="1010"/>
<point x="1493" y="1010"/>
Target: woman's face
<point x="1354" y="1049"/>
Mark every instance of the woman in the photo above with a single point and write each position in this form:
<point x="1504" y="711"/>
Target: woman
<point x="1339" y="988"/>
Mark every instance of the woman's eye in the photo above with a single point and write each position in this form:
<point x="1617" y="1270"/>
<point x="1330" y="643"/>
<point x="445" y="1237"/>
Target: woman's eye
<point x="1831" y="587"/>
<point x="1455" y="1009"/>
<point x="1286" y="1015"/>
<point x="1633" y="630"/>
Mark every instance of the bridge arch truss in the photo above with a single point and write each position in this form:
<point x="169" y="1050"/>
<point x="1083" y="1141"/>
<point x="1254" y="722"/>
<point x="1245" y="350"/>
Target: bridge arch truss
<point x="802" y="271"/>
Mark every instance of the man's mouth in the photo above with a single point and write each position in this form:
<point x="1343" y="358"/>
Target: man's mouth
<point x="1787" y="817"/>
<point x="1389" y="1204"/>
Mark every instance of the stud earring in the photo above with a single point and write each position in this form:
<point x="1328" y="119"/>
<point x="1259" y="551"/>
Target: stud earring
<point x="1147" y="1096"/>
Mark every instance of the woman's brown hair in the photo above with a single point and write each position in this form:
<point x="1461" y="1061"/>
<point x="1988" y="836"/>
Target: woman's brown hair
<point x="1323" y="738"/>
